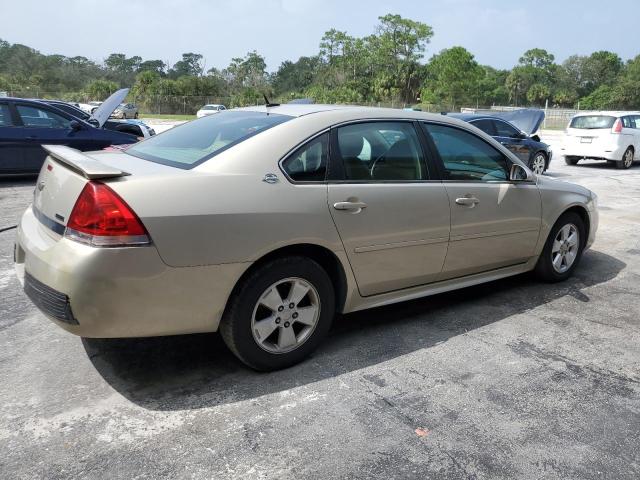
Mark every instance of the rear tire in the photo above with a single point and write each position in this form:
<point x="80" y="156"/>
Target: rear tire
<point x="136" y="115"/>
<point x="627" y="159"/>
<point x="279" y="335"/>
<point x="569" y="160"/>
<point x="561" y="254"/>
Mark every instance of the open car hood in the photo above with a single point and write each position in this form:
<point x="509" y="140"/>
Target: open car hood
<point x="105" y="110"/>
<point x="527" y="119"/>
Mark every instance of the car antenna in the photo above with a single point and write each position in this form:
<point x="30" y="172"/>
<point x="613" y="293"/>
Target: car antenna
<point x="268" y="103"/>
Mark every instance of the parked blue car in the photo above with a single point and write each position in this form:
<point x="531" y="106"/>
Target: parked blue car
<point x="26" y="125"/>
<point x="515" y="130"/>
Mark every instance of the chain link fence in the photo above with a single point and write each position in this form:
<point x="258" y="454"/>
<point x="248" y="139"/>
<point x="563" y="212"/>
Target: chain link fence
<point x="555" y="118"/>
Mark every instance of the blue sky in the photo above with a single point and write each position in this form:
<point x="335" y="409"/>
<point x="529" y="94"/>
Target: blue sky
<point x="497" y="32"/>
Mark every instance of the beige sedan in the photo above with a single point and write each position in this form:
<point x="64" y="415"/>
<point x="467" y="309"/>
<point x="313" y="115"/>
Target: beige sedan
<point x="263" y="223"/>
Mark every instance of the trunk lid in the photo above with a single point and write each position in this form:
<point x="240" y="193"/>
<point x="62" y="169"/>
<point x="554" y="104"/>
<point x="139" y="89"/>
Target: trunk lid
<point x="65" y="173"/>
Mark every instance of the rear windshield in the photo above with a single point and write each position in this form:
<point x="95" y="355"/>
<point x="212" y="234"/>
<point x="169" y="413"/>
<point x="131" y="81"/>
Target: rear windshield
<point x="592" y="121"/>
<point x="195" y="142"/>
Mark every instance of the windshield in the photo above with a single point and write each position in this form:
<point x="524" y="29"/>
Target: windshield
<point x="592" y="122"/>
<point x="210" y="107"/>
<point x="195" y="142"/>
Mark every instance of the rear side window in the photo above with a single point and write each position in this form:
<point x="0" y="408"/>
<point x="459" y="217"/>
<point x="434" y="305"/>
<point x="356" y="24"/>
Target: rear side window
<point x="309" y="162"/>
<point x="503" y="129"/>
<point x="486" y="126"/>
<point x="199" y="140"/>
<point x="467" y="157"/>
<point x="592" y="122"/>
<point x="381" y="151"/>
<point x="5" y="116"/>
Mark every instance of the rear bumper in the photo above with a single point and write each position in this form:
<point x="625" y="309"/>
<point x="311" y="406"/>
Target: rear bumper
<point x="118" y="292"/>
<point x="596" y="152"/>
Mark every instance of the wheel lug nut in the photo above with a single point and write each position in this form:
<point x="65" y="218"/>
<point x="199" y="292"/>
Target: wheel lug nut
<point x="286" y="324"/>
<point x="295" y="315"/>
<point x="280" y="308"/>
<point x="291" y="305"/>
<point x="278" y="320"/>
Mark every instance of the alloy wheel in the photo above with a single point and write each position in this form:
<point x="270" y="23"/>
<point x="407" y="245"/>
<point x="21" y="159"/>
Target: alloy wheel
<point x="285" y="315"/>
<point x="565" y="248"/>
<point x="628" y="158"/>
<point x="539" y="163"/>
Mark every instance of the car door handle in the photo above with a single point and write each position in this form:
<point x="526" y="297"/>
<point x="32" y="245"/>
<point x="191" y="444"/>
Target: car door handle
<point x="467" y="201"/>
<point x="349" y="205"/>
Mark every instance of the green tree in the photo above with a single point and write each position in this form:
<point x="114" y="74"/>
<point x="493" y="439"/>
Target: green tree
<point x="601" y="68"/>
<point x="454" y="77"/>
<point x="157" y="66"/>
<point x="297" y="76"/>
<point x="101" y="89"/>
<point x="398" y="46"/>
<point x="191" y="64"/>
<point x="538" y="93"/>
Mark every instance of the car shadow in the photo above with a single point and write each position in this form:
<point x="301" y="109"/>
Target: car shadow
<point x="197" y="371"/>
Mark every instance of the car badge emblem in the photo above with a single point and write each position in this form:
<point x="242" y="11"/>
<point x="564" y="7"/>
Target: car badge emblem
<point x="270" y="178"/>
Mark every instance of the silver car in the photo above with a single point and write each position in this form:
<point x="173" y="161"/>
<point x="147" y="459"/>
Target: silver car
<point x="263" y="223"/>
<point x="125" y="110"/>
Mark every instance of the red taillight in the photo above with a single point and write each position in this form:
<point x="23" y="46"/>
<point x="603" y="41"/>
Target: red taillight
<point x="617" y="127"/>
<point x="102" y="219"/>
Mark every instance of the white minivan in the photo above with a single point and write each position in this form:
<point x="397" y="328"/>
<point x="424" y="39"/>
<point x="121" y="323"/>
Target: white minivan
<point x="610" y="136"/>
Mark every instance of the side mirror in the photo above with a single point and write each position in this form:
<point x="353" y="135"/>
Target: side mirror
<point x="519" y="174"/>
<point x="535" y="138"/>
<point x="75" y="125"/>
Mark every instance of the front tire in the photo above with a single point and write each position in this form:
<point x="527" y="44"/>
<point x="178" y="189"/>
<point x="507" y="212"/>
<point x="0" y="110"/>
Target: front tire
<point x="279" y="314"/>
<point x="538" y="163"/>
<point x="627" y="159"/>
<point x="563" y="250"/>
<point x="569" y="160"/>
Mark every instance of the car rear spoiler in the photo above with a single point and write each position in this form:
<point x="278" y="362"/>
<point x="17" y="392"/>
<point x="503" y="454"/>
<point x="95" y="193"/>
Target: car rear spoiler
<point x="82" y="164"/>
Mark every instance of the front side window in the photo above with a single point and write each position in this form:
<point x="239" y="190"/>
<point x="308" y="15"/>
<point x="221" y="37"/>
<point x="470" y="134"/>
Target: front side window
<point x="41" y="118"/>
<point x="309" y="162"/>
<point x="381" y="151"/>
<point x="467" y="157"/>
<point x="5" y="115"/>
<point x="503" y="129"/>
<point x="199" y="140"/>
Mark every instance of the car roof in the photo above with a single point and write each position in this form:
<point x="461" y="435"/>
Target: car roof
<point x="608" y="113"/>
<point x="467" y="117"/>
<point x="351" y="111"/>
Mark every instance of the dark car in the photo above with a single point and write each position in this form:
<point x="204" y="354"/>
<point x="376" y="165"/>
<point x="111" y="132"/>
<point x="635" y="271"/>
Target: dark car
<point x="134" y="127"/>
<point x="519" y="139"/>
<point x="26" y="125"/>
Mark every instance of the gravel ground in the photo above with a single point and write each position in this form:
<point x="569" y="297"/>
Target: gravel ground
<point x="512" y="379"/>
